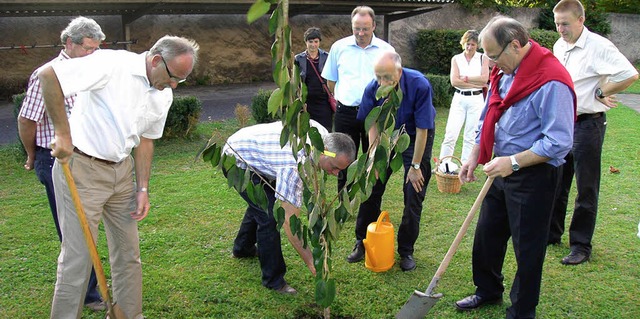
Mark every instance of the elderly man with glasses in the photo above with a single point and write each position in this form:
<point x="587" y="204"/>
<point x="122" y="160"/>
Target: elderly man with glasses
<point x="80" y="38"/>
<point x="526" y="130"/>
<point x="121" y="107"/>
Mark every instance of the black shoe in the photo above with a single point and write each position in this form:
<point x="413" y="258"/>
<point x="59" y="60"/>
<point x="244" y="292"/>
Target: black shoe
<point x="286" y="290"/>
<point x="474" y="302"/>
<point x="575" y="258"/>
<point x="357" y="254"/>
<point x="253" y="252"/>
<point x="407" y="263"/>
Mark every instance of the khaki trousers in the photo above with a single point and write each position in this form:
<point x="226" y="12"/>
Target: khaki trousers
<point x="107" y="192"/>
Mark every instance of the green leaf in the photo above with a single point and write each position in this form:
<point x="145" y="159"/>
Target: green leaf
<point x="207" y="154"/>
<point x="396" y="162"/>
<point x="284" y="136"/>
<point x="260" y="196"/>
<point x="295" y="225"/>
<point x="257" y="10"/>
<point x="372" y="117"/>
<point x="279" y="215"/>
<point x="403" y="143"/>
<point x="275" y="101"/>
<point x="351" y="172"/>
<point x="383" y="91"/>
<point x="316" y="138"/>
<point x="273" y="22"/>
<point x="304" y="118"/>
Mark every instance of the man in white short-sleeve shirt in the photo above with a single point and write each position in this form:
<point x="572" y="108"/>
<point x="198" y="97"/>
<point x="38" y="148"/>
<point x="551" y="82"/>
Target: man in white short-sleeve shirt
<point x="121" y="106"/>
<point x="598" y="71"/>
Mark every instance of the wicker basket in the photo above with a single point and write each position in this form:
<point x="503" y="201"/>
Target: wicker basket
<point x="448" y="183"/>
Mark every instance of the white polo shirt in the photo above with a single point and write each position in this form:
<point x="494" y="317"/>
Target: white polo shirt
<point x="115" y="105"/>
<point x="351" y="67"/>
<point x="592" y="61"/>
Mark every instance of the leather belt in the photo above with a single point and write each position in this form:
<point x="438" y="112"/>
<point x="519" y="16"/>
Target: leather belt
<point x="351" y="106"/>
<point x="469" y="93"/>
<point x="77" y="151"/>
<point x="587" y="116"/>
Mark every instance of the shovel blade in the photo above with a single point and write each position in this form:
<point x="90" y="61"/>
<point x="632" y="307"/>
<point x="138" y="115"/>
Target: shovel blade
<point x="418" y="305"/>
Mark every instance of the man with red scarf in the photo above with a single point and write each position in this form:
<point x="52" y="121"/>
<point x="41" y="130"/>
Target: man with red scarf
<point x="526" y="129"/>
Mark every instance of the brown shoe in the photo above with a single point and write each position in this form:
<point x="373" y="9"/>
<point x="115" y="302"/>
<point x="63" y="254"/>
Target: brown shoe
<point x="286" y="290"/>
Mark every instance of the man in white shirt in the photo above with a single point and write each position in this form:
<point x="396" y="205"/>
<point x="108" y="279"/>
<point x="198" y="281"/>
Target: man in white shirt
<point x="121" y="106"/>
<point x="598" y="71"/>
<point x="348" y="70"/>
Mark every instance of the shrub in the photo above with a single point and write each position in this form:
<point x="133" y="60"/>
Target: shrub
<point x="183" y="117"/>
<point x="545" y="38"/>
<point x="442" y="90"/>
<point x="260" y="107"/>
<point x="10" y="86"/>
<point x="242" y="114"/>
<point x="434" y="49"/>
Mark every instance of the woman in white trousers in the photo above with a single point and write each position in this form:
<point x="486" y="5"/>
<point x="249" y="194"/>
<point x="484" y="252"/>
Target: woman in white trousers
<point x="469" y="74"/>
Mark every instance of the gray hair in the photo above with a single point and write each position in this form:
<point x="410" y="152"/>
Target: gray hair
<point x="504" y="30"/>
<point x="80" y="28"/>
<point x="341" y="144"/>
<point x="170" y="47"/>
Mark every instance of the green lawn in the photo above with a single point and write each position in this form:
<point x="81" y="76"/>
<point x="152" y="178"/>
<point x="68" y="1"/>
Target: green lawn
<point x="189" y="273"/>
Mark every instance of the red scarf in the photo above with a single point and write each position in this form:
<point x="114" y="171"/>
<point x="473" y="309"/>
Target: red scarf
<point x="538" y="67"/>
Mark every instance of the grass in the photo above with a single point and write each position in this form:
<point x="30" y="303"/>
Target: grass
<point x="186" y="245"/>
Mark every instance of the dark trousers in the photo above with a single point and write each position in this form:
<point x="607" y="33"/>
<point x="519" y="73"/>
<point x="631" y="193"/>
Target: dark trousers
<point x="584" y="160"/>
<point x="345" y="121"/>
<point x="43" y="164"/>
<point x="518" y="207"/>
<point x="259" y="227"/>
<point x="410" y="226"/>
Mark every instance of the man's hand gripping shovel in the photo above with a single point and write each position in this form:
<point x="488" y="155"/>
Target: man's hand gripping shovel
<point x="113" y="310"/>
<point x="421" y="302"/>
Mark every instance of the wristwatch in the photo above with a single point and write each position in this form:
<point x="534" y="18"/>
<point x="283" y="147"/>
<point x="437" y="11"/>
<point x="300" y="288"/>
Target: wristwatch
<point x="514" y="165"/>
<point x="599" y="93"/>
<point x="415" y="165"/>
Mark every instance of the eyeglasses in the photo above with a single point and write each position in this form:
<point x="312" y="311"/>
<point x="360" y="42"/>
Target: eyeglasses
<point x="171" y="76"/>
<point x="361" y="29"/>
<point x="495" y="59"/>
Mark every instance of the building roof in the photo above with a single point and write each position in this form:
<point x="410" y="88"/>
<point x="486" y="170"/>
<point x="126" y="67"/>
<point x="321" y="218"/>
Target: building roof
<point x="131" y="10"/>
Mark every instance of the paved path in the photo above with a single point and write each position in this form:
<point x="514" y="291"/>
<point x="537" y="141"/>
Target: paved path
<point x="218" y="102"/>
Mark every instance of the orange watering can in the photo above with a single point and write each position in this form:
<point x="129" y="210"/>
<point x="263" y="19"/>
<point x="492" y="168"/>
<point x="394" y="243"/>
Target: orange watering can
<point x="379" y="244"/>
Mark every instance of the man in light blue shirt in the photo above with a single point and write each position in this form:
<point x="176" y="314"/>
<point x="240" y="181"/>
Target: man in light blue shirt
<point x="527" y="125"/>
<point x="348" y="70"/>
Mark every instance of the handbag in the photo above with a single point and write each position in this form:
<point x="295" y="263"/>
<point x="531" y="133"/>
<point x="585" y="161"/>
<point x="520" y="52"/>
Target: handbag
<point x="332" y="100"/>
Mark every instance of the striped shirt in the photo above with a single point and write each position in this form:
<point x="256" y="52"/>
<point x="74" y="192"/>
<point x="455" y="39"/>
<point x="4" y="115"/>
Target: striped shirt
<point x="259" y="147"/>
<point x="33" y="106"/>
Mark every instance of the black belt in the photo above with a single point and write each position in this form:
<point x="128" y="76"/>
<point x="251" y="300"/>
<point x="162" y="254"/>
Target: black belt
<point x="468" y="93"/>
<point x="587" y="116"/>
<point x="351" y="106"/>
<point x="77" y="151"/>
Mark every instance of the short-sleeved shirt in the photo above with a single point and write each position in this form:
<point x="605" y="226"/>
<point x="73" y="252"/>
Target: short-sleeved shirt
<point x="258" y="146"/>
<point x="33" y="106"/>
<point x="115" y="103"/>
<point x="592" y="61"/>
<point x="351" y="67"/>
<point x="416" y="109"/>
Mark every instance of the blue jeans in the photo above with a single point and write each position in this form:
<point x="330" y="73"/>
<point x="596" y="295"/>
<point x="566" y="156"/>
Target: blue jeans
<point x="43" y="164"/>
<point x="259" y="227"/>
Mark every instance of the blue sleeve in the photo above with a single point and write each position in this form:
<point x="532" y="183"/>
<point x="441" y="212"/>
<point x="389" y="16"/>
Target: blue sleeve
<point x="368" y="100"/>
<point x="557" y="120"/>
<point x="424" y="110"/>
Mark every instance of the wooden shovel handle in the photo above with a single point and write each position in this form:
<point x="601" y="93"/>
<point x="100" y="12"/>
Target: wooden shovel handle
<point x="456" y="242"/>
<point x="93" y="251"/>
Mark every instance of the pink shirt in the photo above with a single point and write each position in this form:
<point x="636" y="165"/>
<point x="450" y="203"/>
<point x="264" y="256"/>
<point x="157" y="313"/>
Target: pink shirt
<point x="33" y="106"/>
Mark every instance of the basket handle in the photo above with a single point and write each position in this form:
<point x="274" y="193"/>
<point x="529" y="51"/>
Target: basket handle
<point x="383" y="215"/>
<point x="440" y="160"/>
